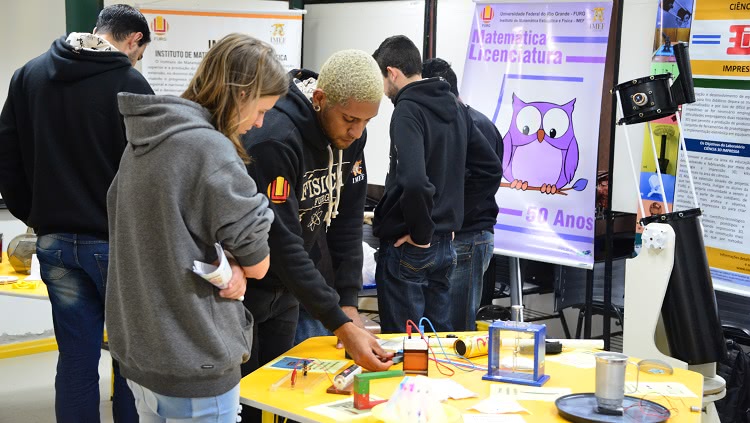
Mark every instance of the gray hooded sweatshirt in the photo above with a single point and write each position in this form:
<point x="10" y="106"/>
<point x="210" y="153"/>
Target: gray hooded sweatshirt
<point x="180" y="188"/>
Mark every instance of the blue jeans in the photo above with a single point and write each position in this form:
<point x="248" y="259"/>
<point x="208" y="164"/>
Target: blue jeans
<point x="308" y="327"/>
<point x="157" y="408"/>
<point x="473" y="252"/>
<point x="414" y="282"/>
<point x="74" y="268"/>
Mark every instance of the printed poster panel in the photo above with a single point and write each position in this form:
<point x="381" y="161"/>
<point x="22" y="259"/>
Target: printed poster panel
<point x="180" y="39"/>
<point x="536" y="70"/>
<point x="716" y="131"/>
<point x="673" y="21"/>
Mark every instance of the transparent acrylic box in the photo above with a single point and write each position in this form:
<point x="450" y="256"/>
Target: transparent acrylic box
<point x="516" y="353"/>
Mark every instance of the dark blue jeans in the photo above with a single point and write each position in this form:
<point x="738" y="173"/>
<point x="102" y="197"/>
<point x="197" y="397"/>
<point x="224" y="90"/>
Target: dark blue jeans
<point x="414" y="282"/>
<point x="275" y="312"/>
<point x="308" y="327"/>
<point x="473" y="252"/>
<point x="74" y="268"/>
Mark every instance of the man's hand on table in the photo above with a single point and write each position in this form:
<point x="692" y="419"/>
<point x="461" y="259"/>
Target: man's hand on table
<point x="364" y="348"/>
<point x="353" y="314"/>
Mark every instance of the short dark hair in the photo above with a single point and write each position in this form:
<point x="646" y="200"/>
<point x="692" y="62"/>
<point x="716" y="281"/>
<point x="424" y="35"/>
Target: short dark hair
<point x="439" y="67"/>
<point x="121" y="20"/>
<point x="398" y="52"/>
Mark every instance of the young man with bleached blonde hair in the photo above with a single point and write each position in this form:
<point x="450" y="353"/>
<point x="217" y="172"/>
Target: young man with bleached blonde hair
<point x="309" y="160"/>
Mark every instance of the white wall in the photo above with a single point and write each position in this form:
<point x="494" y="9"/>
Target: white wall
<point x="29" y="33"/>
<point x="453" y="28"/>
<point x="332" y="27"/>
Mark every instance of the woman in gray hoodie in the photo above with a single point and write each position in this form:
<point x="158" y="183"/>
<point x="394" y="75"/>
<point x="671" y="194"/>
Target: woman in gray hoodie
<point x="182" y="186"/>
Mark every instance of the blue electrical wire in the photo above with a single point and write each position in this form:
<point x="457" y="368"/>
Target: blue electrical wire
<point x="461" y="366"/>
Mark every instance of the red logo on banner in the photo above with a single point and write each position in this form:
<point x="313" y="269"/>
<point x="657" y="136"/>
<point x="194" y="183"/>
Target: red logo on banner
<point x="487" y="14"/>
<point x="741" y="40"/>
<point x="159" y="25"/>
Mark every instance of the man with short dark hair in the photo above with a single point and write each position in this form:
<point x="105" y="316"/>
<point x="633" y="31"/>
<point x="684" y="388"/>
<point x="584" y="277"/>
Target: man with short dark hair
<point x="440" y="164"/>
<point x="61" y="138"/>
<point x="474" y="243"/>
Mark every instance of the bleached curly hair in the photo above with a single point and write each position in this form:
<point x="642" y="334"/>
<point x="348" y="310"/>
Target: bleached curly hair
<point x="351" y="75"/>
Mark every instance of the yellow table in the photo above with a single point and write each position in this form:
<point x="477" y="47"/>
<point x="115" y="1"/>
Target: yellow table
<point x="254" y="388"/>
<point x="40" y="292"/>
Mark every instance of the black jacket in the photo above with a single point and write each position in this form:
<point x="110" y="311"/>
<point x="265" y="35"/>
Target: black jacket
<point x="290" y="162"/>
<point x="61" y="138"/>
<point x="484" y="216"/>
<point x="438" y="158"/>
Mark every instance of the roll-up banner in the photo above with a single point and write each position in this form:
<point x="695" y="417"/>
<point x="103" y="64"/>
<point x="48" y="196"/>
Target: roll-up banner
<point x="536" y="70"/>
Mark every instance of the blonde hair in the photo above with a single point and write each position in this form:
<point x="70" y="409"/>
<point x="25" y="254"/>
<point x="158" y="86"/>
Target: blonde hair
<point x="351" y="75"/>
<point x="236" y="64"/>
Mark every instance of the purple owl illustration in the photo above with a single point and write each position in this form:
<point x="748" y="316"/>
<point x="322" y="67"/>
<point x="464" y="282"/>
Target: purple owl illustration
<point x="540" y="148"/>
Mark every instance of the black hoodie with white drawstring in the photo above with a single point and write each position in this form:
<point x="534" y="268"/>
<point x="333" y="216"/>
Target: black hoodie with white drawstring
<point x="315" y="190"/>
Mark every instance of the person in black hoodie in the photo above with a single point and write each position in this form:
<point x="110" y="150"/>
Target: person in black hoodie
<point x="474" y="243"/>
<point x="309" y="159"/>
<point x="440" y="165"/>
<point x="61" y="138"/>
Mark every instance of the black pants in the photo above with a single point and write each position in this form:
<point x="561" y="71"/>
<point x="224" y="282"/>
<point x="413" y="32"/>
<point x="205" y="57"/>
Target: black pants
<point x="275" y="312"/>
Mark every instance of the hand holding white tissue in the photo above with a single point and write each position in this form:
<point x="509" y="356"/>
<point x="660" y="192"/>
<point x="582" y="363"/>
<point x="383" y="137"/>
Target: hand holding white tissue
<point x="219" y="275"/>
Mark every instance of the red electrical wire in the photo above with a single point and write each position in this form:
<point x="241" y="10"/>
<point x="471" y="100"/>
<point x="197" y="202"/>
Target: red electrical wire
<point x="438" y="364"/>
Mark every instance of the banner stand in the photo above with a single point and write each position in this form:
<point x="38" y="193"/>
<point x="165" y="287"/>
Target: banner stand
<point x="516" y="290"/>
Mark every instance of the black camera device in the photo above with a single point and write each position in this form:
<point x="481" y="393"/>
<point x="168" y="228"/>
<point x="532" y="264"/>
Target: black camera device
<point x="651" y="97"/>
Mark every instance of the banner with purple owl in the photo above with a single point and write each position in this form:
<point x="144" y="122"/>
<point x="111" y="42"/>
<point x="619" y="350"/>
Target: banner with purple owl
<point x="536" y="70"/>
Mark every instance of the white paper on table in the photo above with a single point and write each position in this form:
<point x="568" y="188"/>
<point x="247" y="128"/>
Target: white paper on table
<point x="219" y="275"/>
<point x="668" y="389"/>
<point x="499" y="406"/>
<point x="342" y="410"/>
<point x="493" y="418"/>
<point x="448" y="388"/>
<point x="526" y="393"/>
<point x="581" y="359"/>
<point x="392" y="344"/>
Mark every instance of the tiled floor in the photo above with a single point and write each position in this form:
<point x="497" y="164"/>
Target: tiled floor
<point x="27" y="388"/>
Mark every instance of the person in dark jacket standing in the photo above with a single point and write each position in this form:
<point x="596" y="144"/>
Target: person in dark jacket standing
<point x="309" y="160"/>
<point x="474" y="243"/>
<point x="61" y="138"/>
<point x="440" y="165"/>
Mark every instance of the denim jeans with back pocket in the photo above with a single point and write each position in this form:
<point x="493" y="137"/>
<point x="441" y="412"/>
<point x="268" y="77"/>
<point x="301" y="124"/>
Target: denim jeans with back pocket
<point x="474" y="252"/>
<point x="414" y="282"/>
<point x="74" y="268"/>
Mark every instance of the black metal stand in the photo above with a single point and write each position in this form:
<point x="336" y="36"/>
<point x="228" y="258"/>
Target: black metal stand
<point x="609" y="215"/>
<point x="430" y="29"/>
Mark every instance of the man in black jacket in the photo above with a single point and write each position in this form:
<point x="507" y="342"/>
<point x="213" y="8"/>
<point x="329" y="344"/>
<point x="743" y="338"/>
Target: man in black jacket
<point x="309" y="158"/>
<point x="440" y="164"/>
<point x="61" y="138"/>
<point x="474" y="243"/>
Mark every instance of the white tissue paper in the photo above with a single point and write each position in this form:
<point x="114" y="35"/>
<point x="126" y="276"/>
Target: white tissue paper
<point x="219" y="275"/>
